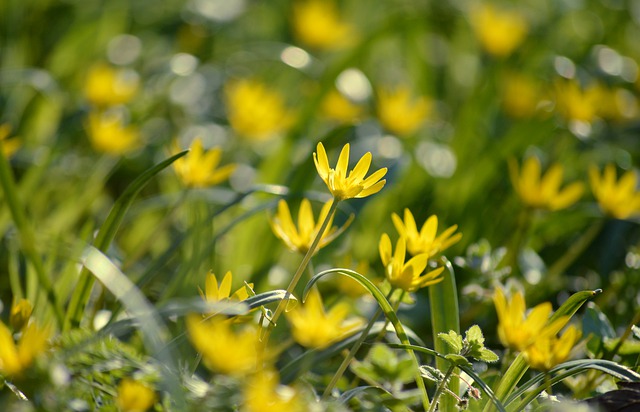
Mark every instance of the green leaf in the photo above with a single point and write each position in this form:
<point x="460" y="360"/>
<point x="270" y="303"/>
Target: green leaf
<point x="453" y="340"/>
<point x="474" y="335"/>
<point x="457" y="359"/>
<point x="431" y="373"/>
<point x="487" y="355"/>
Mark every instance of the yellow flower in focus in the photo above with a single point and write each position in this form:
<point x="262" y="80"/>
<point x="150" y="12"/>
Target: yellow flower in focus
<point x="549" y="351"/>
<point x="223" y="349"/>
<point x="255" y="111"/>
<point x="107" y="86"/>
<point x="199" y="168"/>
<point x="215" y="293"/>
<point x="400" y="112"/>
<point x="577" y="104"/>
<point x="20" y="314"/>
<point x="108" y="134"/>
<point x="300" y="238"/>
<point x="318" y="24"/>
<point x="543" y="192"/>
<point x="620" y="199"/>
<point x="426" y="240"/>
<point x="8" y="146"/>
<point x="499" y="31"/>
<point x="14" y="359"/>
<point x="263" y="393"/>
<point x="406" y="276"/>
<point x="337" y="107"/>
<point x="520" y="96"/>
<point x="312" y="327"/>
<point x="518" y="330"/>
<point x="354" y="185"/>
<point x="135" y="396"/>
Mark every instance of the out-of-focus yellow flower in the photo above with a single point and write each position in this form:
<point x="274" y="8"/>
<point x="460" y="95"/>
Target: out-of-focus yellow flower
<point x="347" y="285"/>
<point x="312" y="327"/>
<point x="337" y="107"/>
<point x="8" y="146"/>
<point x="20" y="314"/>
<point x="406" y="276"/>
<point x="549" y="351"/>
<point x="617" y="104"/>
<point x="520" y="96"/>
<point x="255" y="111"/>
<point x="518" y="330"/>
<point x="619" y="199"/>
<point x="215" y="293"/>
<point x="135" y="396"/>
<point x="354" y="185"/>
<point x="400" y="112"/>
<point x="426" y="240"/>
<point x="107" y="86"/>
<point x="223" y="349"/>
<point x="300" y="238"/>
<point x="199" y="168"/>
<point x="318" y="24"/>
<point x="263" y="393"/>
<point x="577" y="104"/>
<point x="499" y="31"/>
<point x="543" y="192"/>
<point x="14" y="359"/>
<point x="108" y="134"/>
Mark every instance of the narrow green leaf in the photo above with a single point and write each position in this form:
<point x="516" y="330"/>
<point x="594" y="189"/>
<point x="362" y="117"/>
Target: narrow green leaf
<point x="360" y="390"/>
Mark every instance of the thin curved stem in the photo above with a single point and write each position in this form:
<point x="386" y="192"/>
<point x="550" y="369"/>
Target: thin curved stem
<point x="441" y="388"/>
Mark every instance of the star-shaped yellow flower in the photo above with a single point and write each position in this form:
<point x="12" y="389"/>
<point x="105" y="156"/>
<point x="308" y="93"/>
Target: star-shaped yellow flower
<point x="353" y="185"/>
<point x="318" y="23"/>
<point x="107" y="86"/>
<point x="543" y="192"/>
<point x="617" y="198"/>
<point x="400" y="112"/>
<point x="109" y="134"/>
<point x="264" y="393"/>
<point x="14" y="359"/>
<point x="215" y="293"/>
<point x="499" y="31"/>
<point x="135" y="396"/>
<point x="406" y="276"/>
<point x="199" y="168"/>
<point x="549" y="351"/>
<point x="426" y="240"/>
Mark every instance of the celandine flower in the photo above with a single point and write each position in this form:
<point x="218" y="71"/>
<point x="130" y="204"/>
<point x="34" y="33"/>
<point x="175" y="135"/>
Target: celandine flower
<point x="108" y="133"/>
<point x="406" y="276"/>
<point x="312" y="327"/>
<point x="8" y="146"/>
<point x="215" y="293"/>
<point x="20" y="314"/>
<point x="543" y="192"/>
<point x="518" y="330"/>
<point x="107" y="86"/>
<point x="255" y="111"/>
<point x="575" y="103"/>
<point x="549" y="351"/>
<point x="14" y="359"/>
<point x="400" y="112"/>
<point x="300" y="238"/>
<point x="354" y="185"/>
<point x="521" y="96"/>
<point x="318" y="24"/>
<point x="499" y="31"/>
<point x="135" y="396"/>
<point x="337" y="107"/>
<point x="620" y="199"/>
<point x="263" y="393"/>
<point x="223" y="349"/>
<point x="426" y="240"/>
<point x="199" y="168"/>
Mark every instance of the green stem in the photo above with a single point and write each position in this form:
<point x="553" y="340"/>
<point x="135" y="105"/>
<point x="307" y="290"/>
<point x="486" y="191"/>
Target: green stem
<point x="27" y="238"/>
<point x="296" y="277"/>
<point x="352" y="352"/>
<point x="441" y="387"/>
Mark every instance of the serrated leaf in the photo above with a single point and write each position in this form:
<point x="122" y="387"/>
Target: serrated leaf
<point x="474" y="335"/>
<point x="487" y="355"/>
<point x="453" y="340"/>
<point x="458" y="359"/>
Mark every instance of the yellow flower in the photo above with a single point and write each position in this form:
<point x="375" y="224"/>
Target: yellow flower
<point x="223" y="349"/>
<point x="426" y="240"/>
<point x="620" y="199"/>
<point x="300" y="239"/>
<point x="337" y="107"/>
<point x="549" y="351"/>
<point x="318" y="24"/>
<point x="255" y="111"/>
<point x="499" y="31"/>
<point x="108" y="134"/>
<point x="518" y="330"/>
<point x="199" y="168"/>
<point x="574" y="103"/>
<point x="406" y="276"/>
<point x="312" y="327"/>
<point x="215" y="293"/>
<point x="20" y="314"/>
<point x="106" y="86"/>
<point x="400" y="112"/>
<point x="135" y="396"/>
<point x="263" y="393"/>
<point x="14" y="359"/>
<point x="348" y="286"/>
<point x="8" y="146"/>
<point x="543" y="192"/>
<point x="520" y="96"/>
<point x="353" y="186"/>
